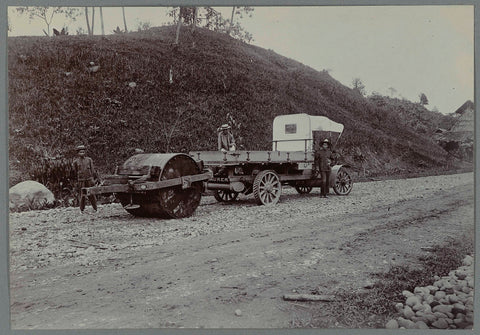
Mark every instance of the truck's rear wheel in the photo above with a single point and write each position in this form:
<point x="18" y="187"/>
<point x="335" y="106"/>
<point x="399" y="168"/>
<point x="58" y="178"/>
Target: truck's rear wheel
<point x="267" y="188"/>
<point x="225" y="196"/>
<point x="302" y="189"/>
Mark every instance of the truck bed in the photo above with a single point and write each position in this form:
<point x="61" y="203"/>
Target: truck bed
<point x="249" y="157"/>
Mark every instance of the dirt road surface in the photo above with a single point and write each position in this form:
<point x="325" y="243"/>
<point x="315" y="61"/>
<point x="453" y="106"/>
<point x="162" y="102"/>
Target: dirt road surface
<point x="229" y="265"/>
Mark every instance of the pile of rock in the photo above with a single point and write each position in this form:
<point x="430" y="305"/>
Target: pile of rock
<point x="447" y="304"/>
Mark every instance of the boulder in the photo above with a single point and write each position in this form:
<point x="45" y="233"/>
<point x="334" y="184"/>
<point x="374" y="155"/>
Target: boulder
<point x="30" y="194"/>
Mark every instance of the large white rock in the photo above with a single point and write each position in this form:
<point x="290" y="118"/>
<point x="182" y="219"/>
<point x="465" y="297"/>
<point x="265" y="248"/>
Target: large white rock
<point x="29" y="194"/>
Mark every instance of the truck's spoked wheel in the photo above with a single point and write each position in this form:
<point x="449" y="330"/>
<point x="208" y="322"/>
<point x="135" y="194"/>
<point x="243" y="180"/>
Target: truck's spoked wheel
<point x="225" y="196"/>
<point x="343" y="182"/>
<point x="302" y="189"/>
<point x="267" y="188"/>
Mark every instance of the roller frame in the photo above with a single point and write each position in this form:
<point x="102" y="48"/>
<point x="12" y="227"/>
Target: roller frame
<point x="133" y="187"/>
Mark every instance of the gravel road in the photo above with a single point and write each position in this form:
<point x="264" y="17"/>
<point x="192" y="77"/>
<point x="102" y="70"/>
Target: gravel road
<point x="227" y="266"/>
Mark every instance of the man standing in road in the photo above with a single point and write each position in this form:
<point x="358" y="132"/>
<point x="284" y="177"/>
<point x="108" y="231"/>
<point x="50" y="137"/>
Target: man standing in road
<point x="86" y="176"/>
<point x="324" y="158"/>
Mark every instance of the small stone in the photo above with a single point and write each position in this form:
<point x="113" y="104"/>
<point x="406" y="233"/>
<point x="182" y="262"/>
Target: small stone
<point x="407" y="294"/>
<point x="421" y="325"/>
<point x="429" y="298"/>
<point x="440" y="315"/>
<point x="408" y="312"/>
<point x="442" y="309"/>
<point x="440" y="324"/>
<point x="412" y="300"/>
<point x="420" y="291"/>
<point x="461" y="275"/>
<point x="452" y="298"/>
<point x="449" y="290"/>
<point x="418" y="307"/>
<point x="408" y="324"/>
<point x="432" y="289"/>
<point x="392" y="324"/>
<point x="468" y="260"/>
<point x="238" y="312"/>
<point x="399" y="307"/>
<point x="427" y="308"/>
<point x="466" y="289"/>
<point x="458" y="308"/>
<point x="430" y="317"/>
<point x="440" y="295"/>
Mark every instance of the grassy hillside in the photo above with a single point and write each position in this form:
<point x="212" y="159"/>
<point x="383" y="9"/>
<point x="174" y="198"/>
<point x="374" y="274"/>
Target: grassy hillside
<point x="148" y="93"/>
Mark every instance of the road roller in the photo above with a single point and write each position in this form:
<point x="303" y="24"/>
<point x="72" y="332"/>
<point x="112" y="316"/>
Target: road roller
<point x="171" y="185"/>
<point x="156" y="185"/>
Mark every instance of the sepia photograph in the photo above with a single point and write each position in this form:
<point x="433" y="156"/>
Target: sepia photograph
<point x="240" y="167"/>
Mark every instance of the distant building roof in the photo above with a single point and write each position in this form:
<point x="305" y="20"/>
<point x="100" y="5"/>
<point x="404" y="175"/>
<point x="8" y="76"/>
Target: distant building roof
<point x="467" y="105"/>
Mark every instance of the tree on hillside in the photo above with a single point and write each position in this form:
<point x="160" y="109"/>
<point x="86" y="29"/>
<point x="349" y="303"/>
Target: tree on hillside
<point x="423" y="99"/>
<point x="393" y="91"/>
<point x="46" y="14"/>
<point x="124" y="19"/>
<point x="93" y="20"/>
<point x="237" y="10"/>
<point x="101" y="20"/>
<point x="358" y="86"/>
<point x="88" y="21"/>
<point x="209" y="18"/>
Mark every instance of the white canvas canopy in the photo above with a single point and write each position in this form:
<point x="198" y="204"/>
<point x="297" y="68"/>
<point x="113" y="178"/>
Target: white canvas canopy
<point x="295" y="132"/>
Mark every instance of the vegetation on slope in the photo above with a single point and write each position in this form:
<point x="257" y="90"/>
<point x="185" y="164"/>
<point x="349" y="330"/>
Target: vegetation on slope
<point x="151" y="94"/>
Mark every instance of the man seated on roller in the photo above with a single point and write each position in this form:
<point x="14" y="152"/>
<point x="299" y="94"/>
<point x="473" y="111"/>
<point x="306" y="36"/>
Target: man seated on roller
<point x="226" y="142"/>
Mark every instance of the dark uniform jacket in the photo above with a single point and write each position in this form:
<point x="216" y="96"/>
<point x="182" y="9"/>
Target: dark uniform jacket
<point x="225" y="141"/>
<point x="83" y="167"/>
<point x="323" y="158"/>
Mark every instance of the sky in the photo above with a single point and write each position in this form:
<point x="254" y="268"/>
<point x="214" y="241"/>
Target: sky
<point x="398" y="51"/>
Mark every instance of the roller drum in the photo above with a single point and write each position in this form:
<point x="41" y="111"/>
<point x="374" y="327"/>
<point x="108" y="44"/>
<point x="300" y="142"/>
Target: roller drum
<point x="171" y="202"/>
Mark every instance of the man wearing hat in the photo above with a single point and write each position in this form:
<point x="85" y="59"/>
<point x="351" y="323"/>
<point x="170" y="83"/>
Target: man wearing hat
<point x="226" y="142"/>
<point x="86" y="176"/>
<point x="324" y="158"/>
